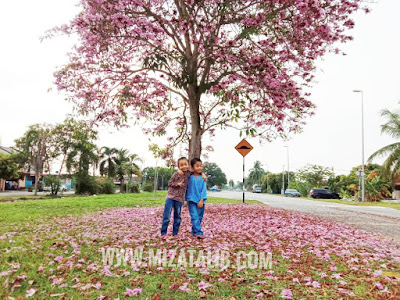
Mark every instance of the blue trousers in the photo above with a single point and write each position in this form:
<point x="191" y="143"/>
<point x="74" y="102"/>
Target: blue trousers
<point x="177" y="206"/>
<point x="196" y="215"/>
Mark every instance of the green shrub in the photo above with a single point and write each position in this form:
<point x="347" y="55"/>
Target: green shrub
<point x="86" y="184"/>
<point x="134" y="188"/>
<point x="148" y="187"/>
<point x="30" y="188"/>
<point x="54" y="183"/>
<point x="107" y="186"/>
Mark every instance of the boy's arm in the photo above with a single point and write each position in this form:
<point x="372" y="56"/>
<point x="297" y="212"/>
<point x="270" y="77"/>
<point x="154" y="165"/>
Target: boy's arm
<point x="204" y="192"/>
<point x="175" y="180"/>
<point x="203" y="195"/>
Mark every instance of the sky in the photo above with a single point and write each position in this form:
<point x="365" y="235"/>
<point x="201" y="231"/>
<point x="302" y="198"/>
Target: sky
<point x="331" y="138"/>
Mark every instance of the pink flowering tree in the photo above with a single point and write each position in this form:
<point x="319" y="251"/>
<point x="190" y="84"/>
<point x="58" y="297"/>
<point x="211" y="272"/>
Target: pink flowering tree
<point x="183" y="68"/>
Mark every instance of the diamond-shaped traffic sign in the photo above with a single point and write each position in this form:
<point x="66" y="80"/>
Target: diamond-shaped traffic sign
<point x="244" y="147"/>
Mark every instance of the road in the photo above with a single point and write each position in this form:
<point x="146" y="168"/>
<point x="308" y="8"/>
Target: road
<point x="9" y="193"/>
<point x="382" y="220"/>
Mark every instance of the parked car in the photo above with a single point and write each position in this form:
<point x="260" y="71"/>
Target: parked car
<point x="215" y="189"/>
<point x="292" y="193"/>
<point x="323" y="194"/>
<point x="256" y="188"/>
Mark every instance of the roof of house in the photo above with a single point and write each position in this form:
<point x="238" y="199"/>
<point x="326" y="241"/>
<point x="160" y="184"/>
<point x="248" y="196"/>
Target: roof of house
<point x="6" y="150"/>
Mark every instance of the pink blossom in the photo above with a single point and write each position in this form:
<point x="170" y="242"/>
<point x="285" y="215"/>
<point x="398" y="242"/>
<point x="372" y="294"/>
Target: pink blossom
<point x="30" y="292"/>
<point x="379" y="285"/>
<point x="287" y="294"/>
<point x="203" y="285"/>
<point x="316" y="284"/>
<point x="134" y="292"/>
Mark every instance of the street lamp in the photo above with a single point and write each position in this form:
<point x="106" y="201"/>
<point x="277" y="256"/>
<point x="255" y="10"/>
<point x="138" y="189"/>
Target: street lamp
<point x="362" y="145"/>
<point x="288" y="176"/>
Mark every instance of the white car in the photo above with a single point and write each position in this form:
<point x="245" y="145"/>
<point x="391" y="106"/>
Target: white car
<point x="256" y="188"/>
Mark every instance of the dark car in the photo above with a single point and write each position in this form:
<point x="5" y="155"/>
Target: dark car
<point x="323" y="194"/>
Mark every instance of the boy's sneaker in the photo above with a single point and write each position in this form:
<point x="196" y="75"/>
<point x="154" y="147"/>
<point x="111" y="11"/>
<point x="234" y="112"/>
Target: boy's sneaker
<point x="200" y="237"/>
<point x="164" y="237"/>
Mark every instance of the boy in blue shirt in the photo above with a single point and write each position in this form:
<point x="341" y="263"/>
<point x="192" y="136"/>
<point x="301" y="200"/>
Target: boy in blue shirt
<point x="196" y="196"/>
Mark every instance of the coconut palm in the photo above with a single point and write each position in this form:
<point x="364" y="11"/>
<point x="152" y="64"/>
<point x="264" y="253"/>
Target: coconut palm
<point x="392" y="127"/>
<point x="121" y="159"/>
<point x="131" y="166"/>
<point x="256" y="174"/>
<point x="107" y="161"/>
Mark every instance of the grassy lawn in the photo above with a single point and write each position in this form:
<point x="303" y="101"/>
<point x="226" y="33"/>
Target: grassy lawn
<point x="347" y="202"/>
<point x="357" y="203"/>
<point x="51" y="248"/>
<point x="39" y="210"/>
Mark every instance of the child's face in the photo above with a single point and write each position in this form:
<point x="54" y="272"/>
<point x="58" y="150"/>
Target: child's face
<point x="198" y="167"/>
<point x="183" y="165"/>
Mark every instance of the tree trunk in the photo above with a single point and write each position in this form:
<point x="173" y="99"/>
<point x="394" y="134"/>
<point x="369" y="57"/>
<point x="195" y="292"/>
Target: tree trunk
<point x="121" y="185"/>
<point x="36" y="182"/>
<point x="195" y="139"/>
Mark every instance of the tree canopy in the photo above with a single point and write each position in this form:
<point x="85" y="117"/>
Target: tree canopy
<point x="200" y="65"/>
<point x="215" y="175"/>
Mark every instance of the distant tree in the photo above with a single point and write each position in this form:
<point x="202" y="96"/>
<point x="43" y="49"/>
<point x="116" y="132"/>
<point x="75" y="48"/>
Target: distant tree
<point x="107" y="161"/>
<point x="256" y="174"/>
<point x="316" y="176"/>
<point x="149" y="172"/>
<point x="82" y="155"/>
<point x="9" y="167"/>
<point x="231" y="184"/>
<point x="131" y="166"/>
<point x="54" y="183"/>
<point x="64" y="137"/>
<point x="164" y="175"/>
<point x="121" y="160"/>
<point x="392" y="152"/>
<point x="35" y="144"/>
<point x="274" y="181"/>
<point x="215" y="175"/>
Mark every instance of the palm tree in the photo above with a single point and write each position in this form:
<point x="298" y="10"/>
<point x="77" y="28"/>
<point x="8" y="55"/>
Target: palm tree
<point x="391" y="166"/>
<point x="107" y="161"/>
<point x="121" y="161"/>
<point x="131" y="166"/>
<point x="81" y="157"/>
<point x="256" y="174"/>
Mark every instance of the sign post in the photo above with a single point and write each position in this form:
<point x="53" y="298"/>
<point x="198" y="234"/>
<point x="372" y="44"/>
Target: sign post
<point x="244" y="148"/>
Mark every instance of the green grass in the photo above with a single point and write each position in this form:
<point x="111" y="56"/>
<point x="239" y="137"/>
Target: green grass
<point x="347" y="202"/>
<point x="33" y="210"/>
<point x="356" y="203"/>
<point x="20" y="217"/>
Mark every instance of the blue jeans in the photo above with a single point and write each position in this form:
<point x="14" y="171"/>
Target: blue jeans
<point x="177" y="206"/>
<point x="196" y="215"/>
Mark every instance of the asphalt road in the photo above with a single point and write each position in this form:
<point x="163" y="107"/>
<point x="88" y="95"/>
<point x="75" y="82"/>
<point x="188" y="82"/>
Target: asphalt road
<point x="381" y="220"/>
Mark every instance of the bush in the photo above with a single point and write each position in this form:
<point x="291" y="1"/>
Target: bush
<point x="86" y="184"/>
<point x="54" y="183"/>
<point x="134" y="188"/>
<point x="107" y="186"/>
<point x="30" y="188"/>
<point x="148" y="187"/>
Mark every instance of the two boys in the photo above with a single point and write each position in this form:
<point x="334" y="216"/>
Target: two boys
<point x="189" y="186"/>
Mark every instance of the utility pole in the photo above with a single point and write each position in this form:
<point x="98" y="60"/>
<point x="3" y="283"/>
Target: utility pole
<point x="288" y="175"/>
<point x="362" y="145"/>
<point x="283" y="180"/>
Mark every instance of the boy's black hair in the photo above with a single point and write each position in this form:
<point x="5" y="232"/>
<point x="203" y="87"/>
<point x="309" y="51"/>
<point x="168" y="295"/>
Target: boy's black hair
<point x="194" y="160"/>
<point x="182" y="158"/>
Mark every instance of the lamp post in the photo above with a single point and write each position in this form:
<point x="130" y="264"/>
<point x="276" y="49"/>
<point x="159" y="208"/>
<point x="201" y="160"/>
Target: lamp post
<point x="288" y="176"/>
<point x="283" y="181"/>
<point x="362" y="145"/>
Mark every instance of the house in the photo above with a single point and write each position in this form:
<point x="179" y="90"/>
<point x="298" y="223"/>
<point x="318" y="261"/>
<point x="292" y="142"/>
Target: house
<point x="26" y="179"/>
<point x="4" y="150"/>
